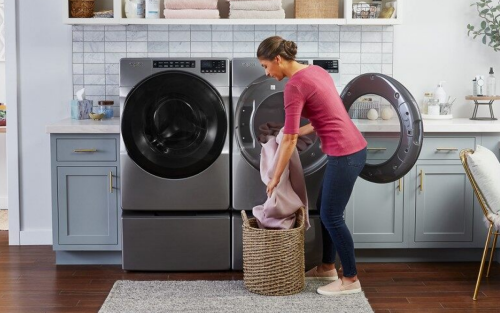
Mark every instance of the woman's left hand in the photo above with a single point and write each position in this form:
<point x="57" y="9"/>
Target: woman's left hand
<point x="271" y="185"/>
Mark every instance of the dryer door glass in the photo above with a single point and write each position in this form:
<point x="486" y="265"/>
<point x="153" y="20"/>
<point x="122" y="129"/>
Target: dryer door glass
<point x="394" y="151"/>
<point x="174" y="124"/>
<point x="260" y="116"/>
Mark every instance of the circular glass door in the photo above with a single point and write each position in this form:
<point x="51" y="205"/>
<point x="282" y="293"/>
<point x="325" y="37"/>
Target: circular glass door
<point x="174" y="124"/>
<point x="260" y="115"/>
<point x="376" y="99"/>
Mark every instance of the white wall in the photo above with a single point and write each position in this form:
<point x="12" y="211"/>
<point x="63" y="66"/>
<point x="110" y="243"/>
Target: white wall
<point x="432" y="45"/>
<point x="44" y="57"/>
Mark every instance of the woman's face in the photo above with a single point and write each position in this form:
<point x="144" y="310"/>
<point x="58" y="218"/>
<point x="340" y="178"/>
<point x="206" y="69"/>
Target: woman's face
<point x="273" y="68"/>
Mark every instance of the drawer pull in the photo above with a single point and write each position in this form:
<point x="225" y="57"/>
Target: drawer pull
<point x="421" y="180"/>
<point x="110" y="182"/>
<point x="85" y="150"/>
<point x="376" y="149"/>
<point x="446" y="149"/>
<point x="400" y="184"/>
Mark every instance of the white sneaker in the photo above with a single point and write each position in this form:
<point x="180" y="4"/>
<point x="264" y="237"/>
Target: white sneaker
<point x="338" y="288"/>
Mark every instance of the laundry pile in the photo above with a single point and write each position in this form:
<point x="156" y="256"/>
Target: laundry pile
<point x="270" y="130"/>
<point x="192" y="9"/>
<point x="246" y="9"/>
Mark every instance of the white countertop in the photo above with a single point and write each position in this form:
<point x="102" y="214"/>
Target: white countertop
<point x="70" y="126"/>
<point x="456" y="125"/>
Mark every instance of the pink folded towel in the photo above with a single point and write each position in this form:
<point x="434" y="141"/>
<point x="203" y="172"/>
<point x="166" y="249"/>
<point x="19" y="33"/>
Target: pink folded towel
<point x="195" y="14"/>
<point x="269" y="5"/>
<point x="190" y="4"/>
<point x="278" y="212"/>
<point x="246" y="14"/>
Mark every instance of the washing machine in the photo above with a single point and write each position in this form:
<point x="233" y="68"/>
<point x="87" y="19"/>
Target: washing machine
<point x="175" y="163"/>
<point x="258" y="99"/>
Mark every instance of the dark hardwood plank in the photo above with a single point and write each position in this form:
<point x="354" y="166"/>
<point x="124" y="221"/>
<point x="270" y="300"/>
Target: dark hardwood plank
<point x="31" y="282"/>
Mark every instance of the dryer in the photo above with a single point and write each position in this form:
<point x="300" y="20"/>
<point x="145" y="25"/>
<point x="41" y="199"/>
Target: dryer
<point x="175" y="166"/>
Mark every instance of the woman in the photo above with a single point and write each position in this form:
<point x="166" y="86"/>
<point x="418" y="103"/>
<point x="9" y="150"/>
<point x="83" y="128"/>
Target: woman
<point x="311" y="93"/>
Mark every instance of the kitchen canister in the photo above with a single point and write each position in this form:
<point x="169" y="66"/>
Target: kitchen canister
<point x="106" y="108"/>
<point x="134" y="8"/>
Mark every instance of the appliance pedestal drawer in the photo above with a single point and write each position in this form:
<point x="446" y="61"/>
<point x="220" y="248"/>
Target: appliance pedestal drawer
<point x="168" y="242"/>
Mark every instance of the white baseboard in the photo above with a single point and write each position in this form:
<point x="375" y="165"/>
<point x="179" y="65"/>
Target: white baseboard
<point x="35" y="237"/>
<point x="3" y="203"/>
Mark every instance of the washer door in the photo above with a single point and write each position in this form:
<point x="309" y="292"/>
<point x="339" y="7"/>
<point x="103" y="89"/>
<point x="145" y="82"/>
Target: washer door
<point x="262" y="103"/>
<point x="403" y="149"/>
<point x="174" y="124"/>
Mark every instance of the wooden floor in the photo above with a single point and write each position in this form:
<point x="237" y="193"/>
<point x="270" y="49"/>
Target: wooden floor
<point x="32" y="283"/>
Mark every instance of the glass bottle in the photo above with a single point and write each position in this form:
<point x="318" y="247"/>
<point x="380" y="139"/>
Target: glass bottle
<point x="106" y="108"/>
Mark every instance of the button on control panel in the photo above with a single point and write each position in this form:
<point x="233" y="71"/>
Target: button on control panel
<point x="213" y="66"/>
<point x="173" y="64"/>
<point x="331" y="66"/>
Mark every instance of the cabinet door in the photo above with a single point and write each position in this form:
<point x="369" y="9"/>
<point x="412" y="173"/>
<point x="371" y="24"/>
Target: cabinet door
<point x="375" y="212"/>
<point x="87" y="206"/>
<point x="443" y="205"/>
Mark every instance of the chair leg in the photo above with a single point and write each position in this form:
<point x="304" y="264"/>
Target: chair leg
<point x="492" y="252"/>
<point x="481" y="268"/>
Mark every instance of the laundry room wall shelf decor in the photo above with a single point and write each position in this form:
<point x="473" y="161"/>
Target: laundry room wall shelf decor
<point x="386" y="12"/>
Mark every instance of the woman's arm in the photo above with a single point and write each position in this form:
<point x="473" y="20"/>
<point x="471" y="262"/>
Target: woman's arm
<point x="306" y="130"/>
<point x="287" y="146"/>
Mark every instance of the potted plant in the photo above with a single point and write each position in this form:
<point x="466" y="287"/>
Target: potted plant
<point x="490" y="26"/>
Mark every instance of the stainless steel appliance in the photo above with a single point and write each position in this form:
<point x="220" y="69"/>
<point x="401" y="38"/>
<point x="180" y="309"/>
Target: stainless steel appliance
<point x="174" y="158"/>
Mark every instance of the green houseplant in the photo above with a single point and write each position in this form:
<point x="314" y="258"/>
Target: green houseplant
<point x="490" y="26"/>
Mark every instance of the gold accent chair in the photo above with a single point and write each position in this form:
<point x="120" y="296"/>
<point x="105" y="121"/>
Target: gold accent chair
<point x="492" y="230"/>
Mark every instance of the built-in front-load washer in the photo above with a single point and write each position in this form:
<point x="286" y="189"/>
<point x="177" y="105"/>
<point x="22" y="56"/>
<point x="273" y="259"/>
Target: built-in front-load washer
<point x="258" y="99"/>
<point x="175" y="166"/>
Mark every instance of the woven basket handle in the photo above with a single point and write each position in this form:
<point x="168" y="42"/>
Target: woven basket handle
<point x="245" y="218"/>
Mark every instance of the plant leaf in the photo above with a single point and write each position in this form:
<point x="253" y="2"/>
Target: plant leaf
<point x="484" y="39"/>
<point x="483" y="25"/>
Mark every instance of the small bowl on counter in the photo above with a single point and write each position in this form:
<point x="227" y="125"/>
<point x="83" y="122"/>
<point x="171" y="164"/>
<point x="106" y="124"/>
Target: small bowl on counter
<point x="96" y="116"/>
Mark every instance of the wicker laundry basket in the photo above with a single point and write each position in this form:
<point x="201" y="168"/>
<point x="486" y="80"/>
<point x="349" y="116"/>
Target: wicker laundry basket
<point x="316" y="8"/>
<point x="273" y="260"/>
<point x="82" y="8"/>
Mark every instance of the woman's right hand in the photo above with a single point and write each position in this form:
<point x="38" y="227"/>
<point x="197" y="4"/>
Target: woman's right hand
<point x="306" y="130"/>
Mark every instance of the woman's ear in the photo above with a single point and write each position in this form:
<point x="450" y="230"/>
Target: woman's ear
<point x="278" y="59"/>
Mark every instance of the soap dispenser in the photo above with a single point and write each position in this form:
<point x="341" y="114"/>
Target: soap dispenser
<point x="491" y="83"/>
<point x="440" y="94"/>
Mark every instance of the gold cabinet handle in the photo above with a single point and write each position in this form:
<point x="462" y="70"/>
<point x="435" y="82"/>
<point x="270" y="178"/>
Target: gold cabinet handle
<point x="85" y="150"/>
<point x="446" y="149"/>
<point x="376" y="149"/>
<point x="110" y="182"/>
<point x="421" y="180"/>
<point x="400" y="184"/>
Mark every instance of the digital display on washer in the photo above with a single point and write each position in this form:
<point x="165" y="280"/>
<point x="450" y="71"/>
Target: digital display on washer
<point x="213" y="66"/>
<point x="331" y="66"/>
<point x="174" y="64"/>
<point x="305" y="62"/>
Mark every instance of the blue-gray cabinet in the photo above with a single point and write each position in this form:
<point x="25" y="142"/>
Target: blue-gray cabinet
<point x="85" y="192"/>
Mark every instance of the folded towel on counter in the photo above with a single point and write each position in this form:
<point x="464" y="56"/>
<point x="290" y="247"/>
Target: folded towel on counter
<point x="245" y="14"/>
<point x="269" y="5"/>
<point x="270" y="130"/>
<point x="190" y="4"/>
<point x="278" y="212"/>
<point x="195" y="14"/>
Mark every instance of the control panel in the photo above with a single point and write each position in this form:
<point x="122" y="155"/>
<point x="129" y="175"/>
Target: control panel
<point x="331" y="66"/>
<point x="173" y="64"/>
<point x="213" y="66"/>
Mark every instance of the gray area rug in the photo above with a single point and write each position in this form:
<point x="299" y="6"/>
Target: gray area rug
<point x="4" y="219"/>
<point x="221" y="296"/>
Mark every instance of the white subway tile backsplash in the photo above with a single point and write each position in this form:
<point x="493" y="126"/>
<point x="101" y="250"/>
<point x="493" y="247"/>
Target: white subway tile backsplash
<point x="97" y="49"/>
<point x="157" y="35"/>
<point x="157" y="46"/>
<point x="93" y="69"/>
<point x="137" y="47"/>
<point x="93" y="46"/>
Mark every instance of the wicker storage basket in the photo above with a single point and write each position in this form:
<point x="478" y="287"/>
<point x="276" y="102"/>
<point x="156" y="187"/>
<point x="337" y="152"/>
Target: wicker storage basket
<point x="82" y="8"/>
<point x="316" y="8"/>
<point x="273" y="260"/>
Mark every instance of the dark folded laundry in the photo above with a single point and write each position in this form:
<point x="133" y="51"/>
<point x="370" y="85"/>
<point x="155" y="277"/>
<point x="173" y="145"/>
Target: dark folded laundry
<point x="271" y="130"/>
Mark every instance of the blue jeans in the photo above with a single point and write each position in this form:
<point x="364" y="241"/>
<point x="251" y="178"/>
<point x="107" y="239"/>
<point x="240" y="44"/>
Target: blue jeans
<point x="338" y="181"/>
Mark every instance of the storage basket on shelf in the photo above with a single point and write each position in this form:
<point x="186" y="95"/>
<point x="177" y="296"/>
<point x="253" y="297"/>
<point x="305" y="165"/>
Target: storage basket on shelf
<point x="273" y="260"/>
<point x="316" y="9"/>
<point x="82" y="8"/>
<point x="365" y="10"/>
